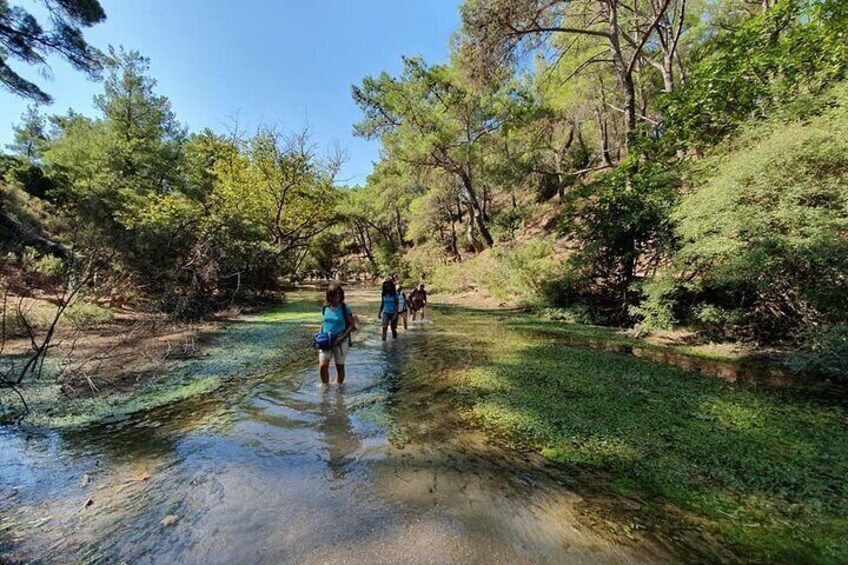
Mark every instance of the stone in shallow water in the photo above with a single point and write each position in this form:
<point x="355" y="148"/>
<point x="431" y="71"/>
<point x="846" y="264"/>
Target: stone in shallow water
<point x="170" y="520"/>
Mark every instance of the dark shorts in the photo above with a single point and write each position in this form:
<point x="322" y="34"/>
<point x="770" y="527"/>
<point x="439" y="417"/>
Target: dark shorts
<point x="389" y="319"/>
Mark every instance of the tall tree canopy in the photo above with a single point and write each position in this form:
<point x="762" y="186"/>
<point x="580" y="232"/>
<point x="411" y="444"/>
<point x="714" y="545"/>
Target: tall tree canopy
<point x="431" y="119"/>
<point x="23" y="38"/>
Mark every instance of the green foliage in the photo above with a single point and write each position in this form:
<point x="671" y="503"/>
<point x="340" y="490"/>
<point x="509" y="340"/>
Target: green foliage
<point x="516" y="274"/>
<point x="193" y="221"/>
<point x="322" y="259"/>
<point x="24" y="39"/>
<point x="578" y="314"/>
<point x="656" y="311"/>
<point x="84" y="315"/>
<point x="620" y="219"/>
<point x="825" y="355"/>
<point x="524" y="270"/>
<point x="30" y="135"/>
<point x="432" y="119"/>
<point x="32" y="179"/>
<point x="507" y="222"/>
<point x="797" y="48"/>
<point x="765" y="231"/>
<point x="49" y="266"/>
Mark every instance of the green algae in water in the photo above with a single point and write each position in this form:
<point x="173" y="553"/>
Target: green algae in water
<point x="245" y="347"/>
<point x="759" y="467"/>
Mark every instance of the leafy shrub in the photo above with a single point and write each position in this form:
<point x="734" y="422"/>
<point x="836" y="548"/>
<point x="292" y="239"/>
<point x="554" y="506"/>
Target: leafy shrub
<point x="37" y="316"/>
<point x="825" y="354"/>
<point x="576" y="314"/>
<point x="797" y="47"/>
<point x="523" y="271"/>
<point x="766" y="232"/>
<point x="84" y="315"/>
<point x="657" y="310"/>
<point x="49" y="266"/>
<point x="620" y="220"/>
<point x="506" y="223"/>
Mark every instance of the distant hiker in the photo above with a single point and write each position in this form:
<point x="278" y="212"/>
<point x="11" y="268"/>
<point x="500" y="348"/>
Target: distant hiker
<point x="389" y="307"/>
<point x="403" y="312"/>
<point x="333" y="341"/>
<point x="417" y="301"/>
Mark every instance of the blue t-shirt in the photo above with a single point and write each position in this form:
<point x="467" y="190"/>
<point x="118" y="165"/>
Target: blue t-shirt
<point x="389" y="304"/>
<point x="401" y="302"/>
<point x="334" y="321"/>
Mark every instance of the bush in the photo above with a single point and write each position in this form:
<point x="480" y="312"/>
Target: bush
<point x="84" y="315"/>
<point x="621" y="221"/>
<point x="49" y="266"/>
<point x="796" y="48"/>
<point x="825" y="355"/>
<point x="766" y="232"/>
<point x="657" y="310"/>
<point x="523" y="271"/>
<point x="506" y="223"/>
<point x="577" y="314"/>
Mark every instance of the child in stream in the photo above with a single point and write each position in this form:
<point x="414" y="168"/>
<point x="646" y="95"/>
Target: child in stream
<point x="338" y="320"/>
<point x="389" y="307"/>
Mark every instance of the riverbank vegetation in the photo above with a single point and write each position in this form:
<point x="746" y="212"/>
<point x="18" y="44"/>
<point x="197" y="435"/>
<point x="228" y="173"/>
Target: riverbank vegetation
<point x="680" y="165"/>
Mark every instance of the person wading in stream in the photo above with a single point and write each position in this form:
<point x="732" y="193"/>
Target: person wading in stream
<point x="389" y="307"/>
<point x="403" y="311"/>
<point x="417" y="301"/>
<point x="339" y="322"/>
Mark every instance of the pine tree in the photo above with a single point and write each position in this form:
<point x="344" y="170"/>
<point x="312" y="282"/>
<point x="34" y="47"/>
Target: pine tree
<point x="23" y="38"/>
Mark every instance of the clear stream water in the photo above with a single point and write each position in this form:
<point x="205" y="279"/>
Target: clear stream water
<point x="271" y="468"/>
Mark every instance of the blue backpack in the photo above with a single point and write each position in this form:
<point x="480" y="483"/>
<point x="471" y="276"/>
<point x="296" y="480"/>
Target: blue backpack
<point x="324" y="340"/>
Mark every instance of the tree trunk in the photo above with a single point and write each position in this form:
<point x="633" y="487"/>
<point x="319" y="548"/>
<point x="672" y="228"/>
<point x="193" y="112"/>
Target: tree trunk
<point x="681" y="69"/>
<point x="668" y="73"/>
<point x="623" y="74"/>
<point x="603" y="132"/>
<point x="454" y="246"/>
<point x="474" y="209"/>
<point x="469" y="229"/>
<point x="15" y="230"/>
<point x="360" y="232"/>
<point x="399" y="227"/>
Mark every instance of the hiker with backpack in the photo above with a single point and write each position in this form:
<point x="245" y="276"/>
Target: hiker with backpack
<point x="389" y="307"/>
<point x="333" y="341"/>
<point x="417" y="301"/>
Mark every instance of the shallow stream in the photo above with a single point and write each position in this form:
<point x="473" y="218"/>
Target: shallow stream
<point x="272" y="468"/>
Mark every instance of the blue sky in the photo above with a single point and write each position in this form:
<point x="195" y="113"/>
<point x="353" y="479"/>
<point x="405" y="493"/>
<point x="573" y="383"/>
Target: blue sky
<point x="280" y="62"/>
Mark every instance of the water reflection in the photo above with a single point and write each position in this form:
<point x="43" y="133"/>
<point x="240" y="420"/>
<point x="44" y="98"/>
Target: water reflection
<point x="337" y="431"/>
